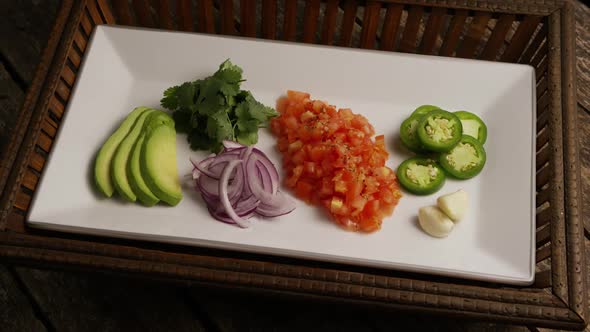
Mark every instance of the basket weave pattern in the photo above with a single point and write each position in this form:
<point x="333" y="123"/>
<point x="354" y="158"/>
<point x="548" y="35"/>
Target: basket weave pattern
<point x="539" y="33"/>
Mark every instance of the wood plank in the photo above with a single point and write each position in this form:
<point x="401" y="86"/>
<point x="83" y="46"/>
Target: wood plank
<point x="278" y="312"/>
<point x="432" y="31"/>
<point x="248" y="18"/>
<point x="36" y="161"/>
<point x="543" y="235"/>
<point x="44" y="142"/>
<point x="86" y="25"/>
<point x="584" y="144"/>
<point x="541" y="85"/>
<point x="16" y="312"/>
<point x="454" y="33"/>
<point x="540" y="38"/>
<point x="409" y="43"/>
<point x="278" y="315"/>
<point x="543" y="196"/>
<point x="75" y="57"/>
<point x="543" y="156"/>
<point x="543" y="137"/>
<point x="11" y="97"/>
<point x="370" y="22"/>
<point x="107" y="303"/>
<point x="206" y="16"/>
<point x="290" y="20"/>
<point x="473" y="37"/>
<point x="143" y="14"/>
<point x="543" y="176"/>
<point x="106" y="10"/>
<point x="494" y="43"/>
<point x="184" y="11"/>
<point x="24" y="30"/>
<point x="543" y="253"/>
<point x="269" y="19"/>
<point x="521" y="38"/>
<point x="80" y="39"/>
<point x="30" y="180"/>
<point x="543" y="218"/>
<point x="350" y="8"/>
<point x="94" y="12"/>
<point x="117" y="320"/>
<point x="583" y="53"/>
<point x="68" y="75"/>
<point x="310" y="20"/>
<point x="390" y="26"/>
<point x="56" y="107"/>
<point x="62" y="90"/>
<point x="22" y="200"/>
<point x="164" y="15"/>
<point x="329" y="26"/>
<point x="122" y="12"/>
<point x="542" y="279"/>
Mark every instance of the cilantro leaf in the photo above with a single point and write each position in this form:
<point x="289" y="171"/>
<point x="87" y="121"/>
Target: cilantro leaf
<point x="209" y="89"/>
<point x="219" y="127"/>
<point x="247" y="137"/>
<point x="228" y="65"/>
<point x="198" y="140"/>
<point x="182" y="121"/>
<point x="212" y="109"/>
<point x="229" y="89"/>
<point x="229" y="75"/>
<point x="248" y="125"/>
<point x="170" y="100"/>
<point x="260" y="112"/>
<point x="186" y="95"/>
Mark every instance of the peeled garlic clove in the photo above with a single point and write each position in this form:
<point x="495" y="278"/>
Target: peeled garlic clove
<point x="454" y="204"/>
<point x="435" y="222"/>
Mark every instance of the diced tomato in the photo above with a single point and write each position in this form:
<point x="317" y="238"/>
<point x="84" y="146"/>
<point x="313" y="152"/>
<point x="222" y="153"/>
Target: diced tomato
<point x="331" y="160"/>
<point x="304" y="189"/>
<point x="297" y="96"/>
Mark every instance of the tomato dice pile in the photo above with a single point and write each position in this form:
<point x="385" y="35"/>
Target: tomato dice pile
<point x="331" y="159"/>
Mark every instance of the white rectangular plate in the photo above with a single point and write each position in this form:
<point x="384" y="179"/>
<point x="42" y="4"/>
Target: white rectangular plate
<point x="125" y="68"/>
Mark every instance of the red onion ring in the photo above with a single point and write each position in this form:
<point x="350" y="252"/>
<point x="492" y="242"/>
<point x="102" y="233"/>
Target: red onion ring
<point x="238" y="183"/>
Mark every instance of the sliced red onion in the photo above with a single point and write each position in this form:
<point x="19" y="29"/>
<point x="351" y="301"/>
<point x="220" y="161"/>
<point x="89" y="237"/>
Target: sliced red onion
<point x="221" y="216"/>
<point x="232" y="145"/>
<point x="223" y="195"/>
<point x="239" y="182"/>
<point x="270" y="167"/>
<point x="284" y="206"/>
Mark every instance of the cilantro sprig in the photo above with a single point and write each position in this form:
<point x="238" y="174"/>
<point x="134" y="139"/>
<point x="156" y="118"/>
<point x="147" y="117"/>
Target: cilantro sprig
<point x="215" y="109"/>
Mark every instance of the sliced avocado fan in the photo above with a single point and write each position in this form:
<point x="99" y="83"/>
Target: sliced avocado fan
<point x="102" y="165"/>
<point x="122" y="157"/>
<point x="158" y="159"/>
<point x="140" y="188"/>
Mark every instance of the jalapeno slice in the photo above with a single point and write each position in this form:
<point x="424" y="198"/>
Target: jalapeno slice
<point x="424" y="109"/>
<point x="408" y="134"/>
<point x="439" y="130"/>
<point x="473" y="126"/>
<point x="421" y="176"/>
<point x="465" y="160"/>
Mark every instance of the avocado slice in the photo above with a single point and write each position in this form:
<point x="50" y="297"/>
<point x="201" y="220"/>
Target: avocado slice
<point x="158" y="159"/>
<point x="136" y="181"/>
<point x="121" y="159"/>
<point x="102" y="165"/>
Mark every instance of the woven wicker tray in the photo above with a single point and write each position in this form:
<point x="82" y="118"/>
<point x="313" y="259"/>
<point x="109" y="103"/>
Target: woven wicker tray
<point x="539" y="33"/>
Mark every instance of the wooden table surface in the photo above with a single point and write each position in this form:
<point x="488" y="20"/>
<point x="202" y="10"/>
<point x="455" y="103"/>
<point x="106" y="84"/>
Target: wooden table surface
<point x="46" y="300"/>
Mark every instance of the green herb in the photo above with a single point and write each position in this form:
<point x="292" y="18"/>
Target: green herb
<point x="215" y="109"/>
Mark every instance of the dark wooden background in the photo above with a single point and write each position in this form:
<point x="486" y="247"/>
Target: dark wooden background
<point x="46" y="300"/>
